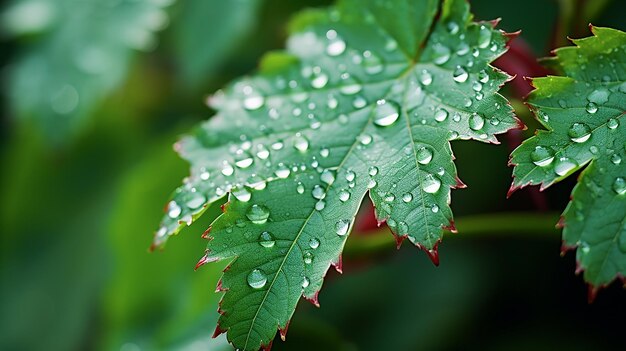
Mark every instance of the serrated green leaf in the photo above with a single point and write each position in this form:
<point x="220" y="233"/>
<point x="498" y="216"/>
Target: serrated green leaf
<point x="584" y="114"/>
<point x="367" y="103"/>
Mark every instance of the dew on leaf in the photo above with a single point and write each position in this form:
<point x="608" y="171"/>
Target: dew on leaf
<point x="424" y="155"/>
<point x="460" y="75"/>
<point x="564" y="165"/>
<point x="441" y="54"/>
<point x="242" y="194"/>
<point x="258" y="214"/>
<point x="386" y="113"/>
<point x="282" y="171"/>
<point x="476" y="121"/>
<point x="314" y="243"/>
<point x="320" y="205"/>
<point x="327" y="176"/>
<point x="434" y="208"/>
<point x="441" y="115"/>
<point x="300" y="188"/>
<point x="173" y="210"/>
<point x="350" y="176"/>
<point x="307" y="257"/>
<point x="579" y="132"/>
<point x="300" y="142"/>
<point x="372" y="63"/>
<point x="542" y="156"/>
<point x="336" y="46"/>
<point x="342" y="226"/>
<point x="407" y="197"/>
<point x="318" y="192"/>
<point x="619" y="186"/>
<point x="426" y="78"/>
<point x="613" y="123"/>
<point x="484" y="37"/>
<point x="227" y="169"/>
<point x="253" y="101"/>
<point x="257" y="279"/>
<point x="431" y="184"/>
<point x="266" y="239"/>
<point x="592" y="107"/>
<point x="365" y="139"/>
<point x="616" y="159"/>
<point x="344" y="195"/>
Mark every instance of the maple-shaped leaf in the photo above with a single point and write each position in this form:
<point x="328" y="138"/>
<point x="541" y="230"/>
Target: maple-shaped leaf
<point x="583" y="111"/>
<point x="364" y="101"/>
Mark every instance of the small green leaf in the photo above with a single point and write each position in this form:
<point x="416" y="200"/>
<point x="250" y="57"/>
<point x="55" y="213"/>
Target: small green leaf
<point x="584" y="114"/>
<point x="365" y="101"/>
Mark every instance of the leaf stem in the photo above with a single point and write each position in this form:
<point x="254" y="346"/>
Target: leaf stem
<point x="476" y="226"/>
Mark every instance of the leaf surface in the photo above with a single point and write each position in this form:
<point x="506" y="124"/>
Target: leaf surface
<point x="583" y="111"/>
<point x="364" y="101"/>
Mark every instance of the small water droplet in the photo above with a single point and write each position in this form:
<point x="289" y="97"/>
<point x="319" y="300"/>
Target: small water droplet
<point x="227" y="169"/>
<point x="453" y="28"/>
<point x="592" y="107"/>
<point x="282" y="171"/>
<point x="305" y="282"/>
<point x="257" y="279"/>
<point x="619" y="186"/>
<point x="314" y="243"/>
<point x="350" y="176"/>
<point x="431" y="184"/>
<point x="253" y="101"/>
<point x="483" y="76"/>
<point x="258" y="214"/>
<point x="579" y="132"/>
<point x="262" y="152"/>
<point x="484" y="37"/>
<point x="344" y="195"/>
<point x="441" y="54"/>
<point x="173" y="210"/>
<point x="318" y="192"/>
<point x="327" y="176"/>
<point x="307" y="258"/>
<point x="564" y="165"/>
<point x="242" y="194"/>
<point x="613" y="123"/>
<point x="300" y="142"/>
<point x="476" y="121"/>
<point x="243" y="159"/>
<point x="460" y="75"/>
<point x="408" y="197"/>
<point x="434" y="208"/>
<point x="424" y="155"/>
<point x="300" y="188"/>
<point x="386" y="113"/>
<point x="320" y="205"/>
<point x="372" y="63"/>
<point x="359" y="102"/>
<point x="266" y="239"/>
<point x="371" y="183"/>
<point x="616" y="159"/>
<point x="365" y="139"/>
<point x="342" y="226"/>
<point x="426" y="78"/>
<point x="441" y="115"/>
<point x="336" y="46"/>
<point x="373" y="170"/>
<point x="542" y="156"/>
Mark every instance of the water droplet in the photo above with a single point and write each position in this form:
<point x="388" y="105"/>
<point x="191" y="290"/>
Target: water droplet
<point x="619" y="186"/>
<point x="262" y="152"/>
<point x="344" y="195"/>
<point x="318" y="192"/>
<point x="277" y="145"/>
<point x="365" y="139"/>
<point x="476" y="86"/>
<point x="462" y="49"/>
<point x="579" y="132"/>
<point x="616" y="159"/>
<point x="314" y="243"/>
<point x="350" y="176"/>
<point x="196" y="201"/>
<point x="483" y="76"/>
<point x="327" y="176"/>
<point x="484" y="37"/>
<point x="441" y="54"/>
<point x="599" y="96"/>
<point x="359" y="102"/>
<point x="593" y="149"/>
<point x="350" y="85"/>
<point x="300" y="188"/>
<point x="266" y="239"/>
<point x="258" y="214"/>
<point x="460" y="75"/>
<point x="242" y="194"/>
<point x="441" y="115"/>
<point x="434" y="208"/>
<point x="336" y="46"/>
<point x="431" y="184"/>
<point x="227" y="169"/>
<point x="282" y="171"/>
<point x="307" y="258"/>
<point x="408" y="197"/>
<point x="389" y="197"/>
<point x="386" y="113"/>
<point x="253" y="101"/>
<point x="305" y="282"/>
<point x="426" y="78"/>
<point x="424" y="155"/>
<point x="372" y="63"/>
<point x="476" y="121"/>
<point x="320" y="205"/>
<point x="592" y="107"/>
<point x="324" y="152"/>
<point x="542" y="156"/>
<point x="452" y="27"/>
<point x="257" y="279"/>
<point x="372" y="183"/>
<point x="173" y="210"/>
<point x="243" y="159"/>
<point x="613" y="123"/>
<point x="342" y="226"/>
<point x="564" y="165"/>
<point x="300" y="142"/>
<point x="373" y="170"/>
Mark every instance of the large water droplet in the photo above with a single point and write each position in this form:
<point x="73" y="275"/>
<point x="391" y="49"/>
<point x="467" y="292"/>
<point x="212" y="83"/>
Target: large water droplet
<point x="258" y="214"/>
<point x="342" y="226"/>
<point x="266" y="239"/>
<point x="542" y="156"/>
<point x="253" y="101"/>
<point x="564" y="165"/>
<point x="431" y="184"/>
<point x="599" y="96"/>
<point x="441" y="115"/>
<point x="327" y="176"/>
<point x="579" y="132"/>
<point x="424" y="155"/>
<point x="373" y="170"/>
<point x="257" y="279"/>
<point x="460" y="75"/>
<point x="227" y="169"/>
<point x="262" y="152"/>
<point x="319" y="80"/>
<point x="441" y="54"/>
<point x="320" y="205"/>
<point x="350" y="176"/>
<point x="386" y="113"/>
<point x="619" y="186"/>
<point x="613" y="123"/>
<point x="434" y="208"/>
<point x="336" y="46"/>
<point x="350" y="85"/>
<point x="318" y="192"/>
<point x="242" y="194"/>
<point x="344" y="195"/>
<point x="407" y="197"/>
<point x="476" y="121"/>
<point x="372" y="63"/>
<point x="243" y="159"/>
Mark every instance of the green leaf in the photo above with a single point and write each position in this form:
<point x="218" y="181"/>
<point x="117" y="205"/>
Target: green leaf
<point x="81" y="54"/>
<point x="368" y="103"/>
<point x="584" y="114"/>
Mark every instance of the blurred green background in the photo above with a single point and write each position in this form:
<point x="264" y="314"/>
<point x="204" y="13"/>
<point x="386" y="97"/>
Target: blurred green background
<point x="95" y="92"/>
